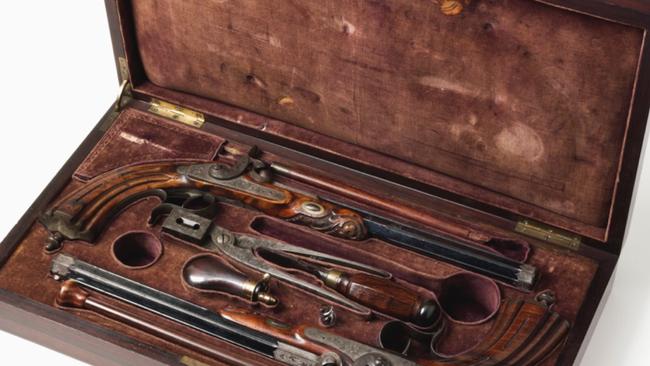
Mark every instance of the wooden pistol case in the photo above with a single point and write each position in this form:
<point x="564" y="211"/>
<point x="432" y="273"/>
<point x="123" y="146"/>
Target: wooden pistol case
<point x="516" y="120"/>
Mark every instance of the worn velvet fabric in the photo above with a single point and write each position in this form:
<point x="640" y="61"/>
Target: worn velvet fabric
<point x="568" y="275"/>
<point x="141" y="138"/>
<point x="517" y="103"/>
<point x="514" y="103"/>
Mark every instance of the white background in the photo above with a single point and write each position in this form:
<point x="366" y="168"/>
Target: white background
<point x="58" y="78"/>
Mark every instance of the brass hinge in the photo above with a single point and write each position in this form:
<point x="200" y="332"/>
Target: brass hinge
<point x="189" y="361"/>
<point x="124" y="68"/>
<point x="177" y="113"/>
<point x="549" y="234"/>
<point x="123" y="96"/>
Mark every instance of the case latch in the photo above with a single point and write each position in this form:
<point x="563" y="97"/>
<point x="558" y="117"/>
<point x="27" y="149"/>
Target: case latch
<point x="549" y="234"/>
<point x="177" y="113"/>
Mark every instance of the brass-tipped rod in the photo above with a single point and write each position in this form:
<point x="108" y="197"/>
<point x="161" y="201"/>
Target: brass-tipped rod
<point x="73" y="296"/>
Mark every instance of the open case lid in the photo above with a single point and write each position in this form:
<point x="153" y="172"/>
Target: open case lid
<point x="528" y="108"/>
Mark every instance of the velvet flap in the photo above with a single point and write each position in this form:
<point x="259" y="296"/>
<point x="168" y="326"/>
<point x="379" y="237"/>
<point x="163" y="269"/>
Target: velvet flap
<point x="524" y="103"/>
<point x="141" y="138"/>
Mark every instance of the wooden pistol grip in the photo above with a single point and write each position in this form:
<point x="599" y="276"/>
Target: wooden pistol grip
<point x="524" y="333"/>
<point x="388" y="297"/>
<point x="83" y="214"/>
<point x="289" y="334"/>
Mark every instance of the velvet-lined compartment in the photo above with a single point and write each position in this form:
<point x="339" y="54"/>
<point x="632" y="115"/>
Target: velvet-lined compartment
<point x="515" y="103"/>
<point x="141" y="138"/>
<point x="25" y="273"/>
<point x="137" y="249"/>
<point x="464" y="297"/>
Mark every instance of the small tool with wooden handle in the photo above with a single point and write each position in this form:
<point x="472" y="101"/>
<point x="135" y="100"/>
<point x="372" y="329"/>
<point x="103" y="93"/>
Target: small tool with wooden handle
<point x="378" y="293"/>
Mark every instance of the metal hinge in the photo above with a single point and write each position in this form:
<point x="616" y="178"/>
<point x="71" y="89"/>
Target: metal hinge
<point x="124" y="68"/>
<point x="177" y="113"/>
<point x="123" y="96"/>
<point x="189" y="361"/>
<point x="549" y="234"/>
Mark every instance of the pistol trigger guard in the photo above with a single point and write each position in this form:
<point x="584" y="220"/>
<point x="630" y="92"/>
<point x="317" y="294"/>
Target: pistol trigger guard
<point x="158" y="213"/>
<point x="206" y="205"/>
<point x="190" y="200"/>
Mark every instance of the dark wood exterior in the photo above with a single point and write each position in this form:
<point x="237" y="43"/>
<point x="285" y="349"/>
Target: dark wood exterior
<point x="78" y="338"/>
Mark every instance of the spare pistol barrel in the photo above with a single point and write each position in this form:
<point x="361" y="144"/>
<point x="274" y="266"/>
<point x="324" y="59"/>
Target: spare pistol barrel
<point x="303" y="346"/>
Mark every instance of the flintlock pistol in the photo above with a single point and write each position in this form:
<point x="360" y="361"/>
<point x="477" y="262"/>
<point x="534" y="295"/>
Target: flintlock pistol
<point x="83" y="214"/>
